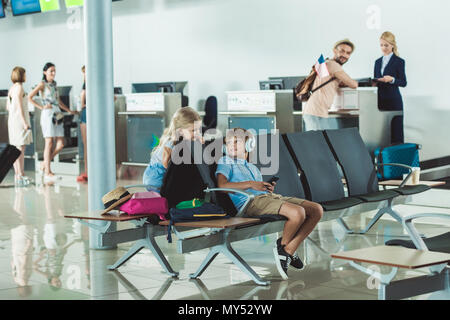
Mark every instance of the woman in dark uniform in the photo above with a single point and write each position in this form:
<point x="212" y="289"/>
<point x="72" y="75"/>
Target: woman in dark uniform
<point x="390" y="73"/>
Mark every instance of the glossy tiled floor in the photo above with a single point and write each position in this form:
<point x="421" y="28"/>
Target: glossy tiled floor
<point x="46" y="256"/>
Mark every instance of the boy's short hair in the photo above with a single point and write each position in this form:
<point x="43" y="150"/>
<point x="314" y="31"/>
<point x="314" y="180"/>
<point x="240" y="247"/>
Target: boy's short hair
<point x="238" y="133"/>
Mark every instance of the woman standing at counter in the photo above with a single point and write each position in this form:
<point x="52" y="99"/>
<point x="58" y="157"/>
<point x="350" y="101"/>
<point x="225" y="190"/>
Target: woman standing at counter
<point x="390" y="74"/>
<point x="19" y="128"/>
<point x="51" y="117"/>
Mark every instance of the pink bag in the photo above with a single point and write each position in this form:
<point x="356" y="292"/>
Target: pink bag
<point x="146" y="203"/>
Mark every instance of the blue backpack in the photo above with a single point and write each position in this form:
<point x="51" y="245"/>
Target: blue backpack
<point x="207" y="211"/>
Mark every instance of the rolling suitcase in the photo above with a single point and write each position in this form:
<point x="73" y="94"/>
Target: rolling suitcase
<point x="8" y="155"/>
<point x="405" y="153"/>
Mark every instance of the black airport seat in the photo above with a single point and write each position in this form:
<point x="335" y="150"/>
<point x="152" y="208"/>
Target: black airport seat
<point x="319" y="169"/>
<point x="359" y="169"/>
<point x="289" y="184"/>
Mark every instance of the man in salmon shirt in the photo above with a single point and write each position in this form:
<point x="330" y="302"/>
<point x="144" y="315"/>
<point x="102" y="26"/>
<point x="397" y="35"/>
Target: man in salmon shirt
<point x="315" y="113"/>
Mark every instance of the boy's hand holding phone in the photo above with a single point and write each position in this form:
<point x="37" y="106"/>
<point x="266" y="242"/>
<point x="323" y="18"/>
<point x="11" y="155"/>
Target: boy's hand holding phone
<point x="272" y="181"/>
<point x="260" y="185"/>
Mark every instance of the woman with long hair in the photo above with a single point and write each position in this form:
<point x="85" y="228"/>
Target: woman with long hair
<point x="185" y="124"/>
<point x="51" y="117"/>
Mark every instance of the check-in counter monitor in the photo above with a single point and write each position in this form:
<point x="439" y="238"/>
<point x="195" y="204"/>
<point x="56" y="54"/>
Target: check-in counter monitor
<point x="170" y="86"/>
<point x="147" y="115"/>
<point x="359" y="108"/>
<point x="260" y="110"/>
<point x="290" y="83"/>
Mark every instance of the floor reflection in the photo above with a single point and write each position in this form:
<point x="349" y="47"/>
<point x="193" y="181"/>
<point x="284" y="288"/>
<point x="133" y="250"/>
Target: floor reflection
<point x="22" y="245"/>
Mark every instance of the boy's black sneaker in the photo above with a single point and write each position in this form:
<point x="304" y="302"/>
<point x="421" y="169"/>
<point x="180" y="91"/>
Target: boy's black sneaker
<point x="282" y="260"/>
<point x="296" y="262"/>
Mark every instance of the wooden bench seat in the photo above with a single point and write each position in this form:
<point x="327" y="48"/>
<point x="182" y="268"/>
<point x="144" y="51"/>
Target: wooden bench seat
<point x="113" y="216"/>
<point x="116" y="216"/>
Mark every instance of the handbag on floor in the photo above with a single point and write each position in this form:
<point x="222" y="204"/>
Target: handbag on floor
<point x="146" y="203"/>
<point x="199" y="211"/>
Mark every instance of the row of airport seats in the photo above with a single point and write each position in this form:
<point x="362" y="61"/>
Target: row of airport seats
<point x="308" y="169"/>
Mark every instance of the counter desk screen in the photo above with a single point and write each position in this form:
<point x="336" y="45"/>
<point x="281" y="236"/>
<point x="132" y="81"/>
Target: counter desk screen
<point x="289" y="82"/>
<point x="364" y="82"/>
<point x="2" y="10"/>
<point x="153" y="87"/>
<point x="272" y="84"/>
<point x="20" y="7"/>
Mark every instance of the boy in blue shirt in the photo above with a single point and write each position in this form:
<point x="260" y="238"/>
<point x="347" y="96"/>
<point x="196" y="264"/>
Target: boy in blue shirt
<point x="234" y="171"/>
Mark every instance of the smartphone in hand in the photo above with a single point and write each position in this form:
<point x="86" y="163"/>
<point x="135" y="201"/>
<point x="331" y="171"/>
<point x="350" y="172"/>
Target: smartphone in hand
<point x="273" y="179"/>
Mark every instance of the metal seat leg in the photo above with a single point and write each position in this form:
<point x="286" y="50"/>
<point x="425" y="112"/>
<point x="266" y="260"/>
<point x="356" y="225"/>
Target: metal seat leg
<point x="149" y="243"/>
<point x="153" y="246"/>
<point x="238" y="261"/>
<point x="213" y="252"/>
<point x="228" y="251"/>
<point x="388" y="209"/>
<point x="127" y="256"/>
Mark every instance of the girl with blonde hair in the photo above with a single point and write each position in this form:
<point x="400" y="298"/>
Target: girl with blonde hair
<point x="19" y="128"/>
<point x="185" y="124"/>
<point x="390" y="74"/>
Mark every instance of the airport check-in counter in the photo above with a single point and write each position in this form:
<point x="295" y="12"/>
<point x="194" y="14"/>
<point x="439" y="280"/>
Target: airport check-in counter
<point x="144" y="119"/>
<point x="272" y="109"/>
<point x="359" y="108"/>
<point x="374" y="124"/>
<point x="260" y="110"/>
